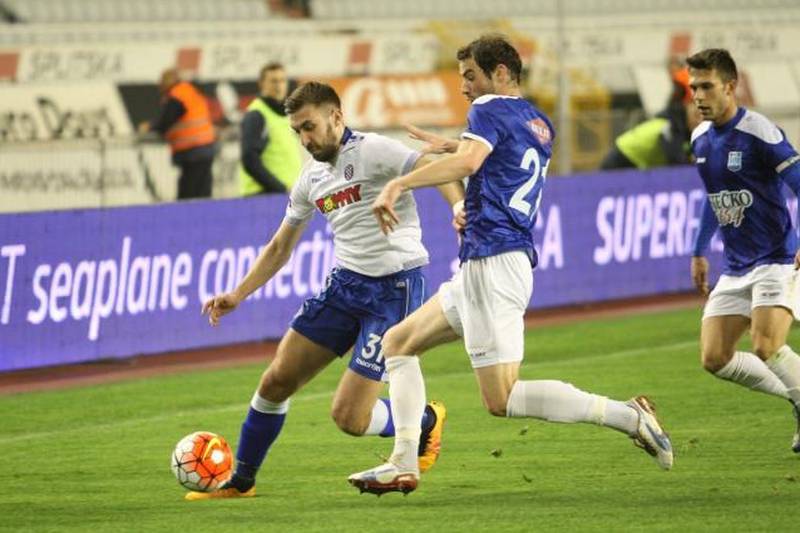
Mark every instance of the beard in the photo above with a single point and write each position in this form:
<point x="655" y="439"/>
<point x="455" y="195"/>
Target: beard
<point x="326" y="153"/>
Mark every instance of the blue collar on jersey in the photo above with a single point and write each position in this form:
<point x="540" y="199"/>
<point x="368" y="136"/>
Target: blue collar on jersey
<point x="732" y="122"/>
<point x="346" y="136"/>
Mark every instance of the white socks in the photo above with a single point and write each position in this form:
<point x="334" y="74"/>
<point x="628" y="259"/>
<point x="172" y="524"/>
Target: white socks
<point x="407" y="396"/>
<point x="748" y="370"/>
<point x="556" y="401"/>
<point x="786" y="365"/>
<point x="263" y="405"/>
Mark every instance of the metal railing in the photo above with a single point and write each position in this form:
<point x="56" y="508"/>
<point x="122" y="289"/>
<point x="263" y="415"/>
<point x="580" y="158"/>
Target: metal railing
<point x="82" y="173"/>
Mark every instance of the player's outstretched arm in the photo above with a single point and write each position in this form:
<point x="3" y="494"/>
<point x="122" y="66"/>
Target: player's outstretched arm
<point x="271" y="259"/>
<point x="454" y="167"/>
<point x="453" y="193"/>
<point x="436" y="144"/>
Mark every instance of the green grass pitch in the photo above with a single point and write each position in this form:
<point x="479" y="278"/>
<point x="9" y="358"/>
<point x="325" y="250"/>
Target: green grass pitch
<point x="97" y="458"/>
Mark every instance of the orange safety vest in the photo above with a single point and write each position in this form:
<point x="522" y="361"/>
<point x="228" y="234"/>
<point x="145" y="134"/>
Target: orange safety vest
<point x="194" y="128"/>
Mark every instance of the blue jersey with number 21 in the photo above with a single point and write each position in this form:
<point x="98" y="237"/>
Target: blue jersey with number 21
<point x="503" y="196"/>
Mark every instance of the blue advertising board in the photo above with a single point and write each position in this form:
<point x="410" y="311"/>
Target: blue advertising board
<point x="88" y="284"/>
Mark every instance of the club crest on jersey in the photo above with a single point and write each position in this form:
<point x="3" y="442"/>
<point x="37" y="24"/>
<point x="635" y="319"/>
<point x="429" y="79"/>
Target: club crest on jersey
<point x="541" y="130"/>
<point x="729" y="206"/>
<point x="335" y="200"/>
<point x="348" y="172"/>
<point x="734" y="161"/>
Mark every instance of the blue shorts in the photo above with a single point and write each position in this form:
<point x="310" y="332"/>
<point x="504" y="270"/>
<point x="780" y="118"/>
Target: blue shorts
<point x="354" y="309"/>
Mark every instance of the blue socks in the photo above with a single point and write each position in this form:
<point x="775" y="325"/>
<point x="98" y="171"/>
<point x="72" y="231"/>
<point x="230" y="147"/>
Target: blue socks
<point x="258" y="433"/>
<point x="388" y="429"/>
<point x="428" y="419"/>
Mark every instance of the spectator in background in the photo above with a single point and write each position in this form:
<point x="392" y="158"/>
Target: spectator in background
<point x="270" y="153"/>
<point x="185" y="122"/>
<point x="664" y="139"/>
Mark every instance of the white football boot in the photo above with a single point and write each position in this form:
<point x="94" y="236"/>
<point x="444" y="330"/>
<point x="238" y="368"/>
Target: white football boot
<point x="384" y="478"/>
<point x="650" y="436"/>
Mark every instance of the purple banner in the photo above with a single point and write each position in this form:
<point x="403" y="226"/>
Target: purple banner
<point x="90" y="284"/>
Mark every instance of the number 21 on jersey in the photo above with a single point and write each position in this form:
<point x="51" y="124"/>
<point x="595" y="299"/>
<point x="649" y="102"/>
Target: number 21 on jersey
<point x="530" y="159"/>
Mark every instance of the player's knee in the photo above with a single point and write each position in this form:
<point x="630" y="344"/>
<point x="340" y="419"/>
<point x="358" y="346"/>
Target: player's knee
<point x="276" y="387"/>
<point x="715" y="359"/>
<point x="765" y="347"/>
<point x="396" y="342"/>
<point x="349" y="421"/>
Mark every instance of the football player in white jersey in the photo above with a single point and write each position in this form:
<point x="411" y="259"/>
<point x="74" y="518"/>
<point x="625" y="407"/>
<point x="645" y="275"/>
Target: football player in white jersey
<point x="376" y="284"/>
<point x="505" y="151"/>
<point x="744" y="160"/>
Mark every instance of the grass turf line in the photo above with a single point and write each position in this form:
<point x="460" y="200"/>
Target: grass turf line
<point x="97" y="457"/>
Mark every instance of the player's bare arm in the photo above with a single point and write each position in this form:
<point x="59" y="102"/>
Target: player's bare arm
<point x="453" y="193"/>
<point x="271" y="259"/>
<point x="450" y="168"/>
<point x="436" y="144"/>
<point x="699" y="271"/>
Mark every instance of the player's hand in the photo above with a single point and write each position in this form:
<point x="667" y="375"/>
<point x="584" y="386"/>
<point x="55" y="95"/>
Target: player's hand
<point x="437" y="144"/>
<point x="383" y="206"/>
<point x="459" y="217"/>
<point x="219" y="306"/>
<point x="700" y="274"/>
<point x="797" y="260"/>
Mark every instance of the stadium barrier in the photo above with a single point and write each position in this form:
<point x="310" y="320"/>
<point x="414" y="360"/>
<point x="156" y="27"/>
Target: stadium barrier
<point x="89" y="284"/>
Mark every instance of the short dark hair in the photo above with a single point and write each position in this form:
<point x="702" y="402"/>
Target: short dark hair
<point x="717" y="59"/>
<point x="269" y="67"/>
<point x="314" y="93"/>
<point x="491" y="50"/>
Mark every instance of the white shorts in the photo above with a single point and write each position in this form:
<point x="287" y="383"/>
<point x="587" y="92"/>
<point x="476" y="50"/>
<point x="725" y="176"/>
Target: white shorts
<point x="485" y="302"/>
<point x="764" y="286"/>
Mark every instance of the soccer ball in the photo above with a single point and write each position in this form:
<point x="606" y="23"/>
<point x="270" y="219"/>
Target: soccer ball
<point x="202" y="461"/>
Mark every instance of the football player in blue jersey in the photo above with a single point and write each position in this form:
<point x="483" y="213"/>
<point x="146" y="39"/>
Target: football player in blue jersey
<point x="377" y="282"/>
<point x="744" y="160"/>
<point x="505" y="151"/>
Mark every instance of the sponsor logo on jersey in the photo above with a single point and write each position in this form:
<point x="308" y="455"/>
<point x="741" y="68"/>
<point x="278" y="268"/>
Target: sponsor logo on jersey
<point x="734" y="161"/>
<point x="334" y="201"/>
<point x="701" y="160"/>
<point x="541" y="130"/>
<point x="348" y="172"/>
<point x="729" y="206"/>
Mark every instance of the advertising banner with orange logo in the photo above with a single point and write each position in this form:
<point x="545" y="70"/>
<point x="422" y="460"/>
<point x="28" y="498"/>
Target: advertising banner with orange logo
<point x="375" y="102"/>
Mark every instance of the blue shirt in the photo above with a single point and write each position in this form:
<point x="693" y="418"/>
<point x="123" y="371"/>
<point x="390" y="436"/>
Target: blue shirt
<point x="743" y="164"/>
<point x="503" y="196"/>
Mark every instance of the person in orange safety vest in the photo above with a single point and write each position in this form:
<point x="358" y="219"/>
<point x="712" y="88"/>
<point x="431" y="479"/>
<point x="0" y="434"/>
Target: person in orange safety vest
<point x="185" y="122"/>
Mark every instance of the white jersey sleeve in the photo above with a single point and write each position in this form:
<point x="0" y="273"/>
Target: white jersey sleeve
<point x="300" y="209"/>
<point x="388" y="158"/>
